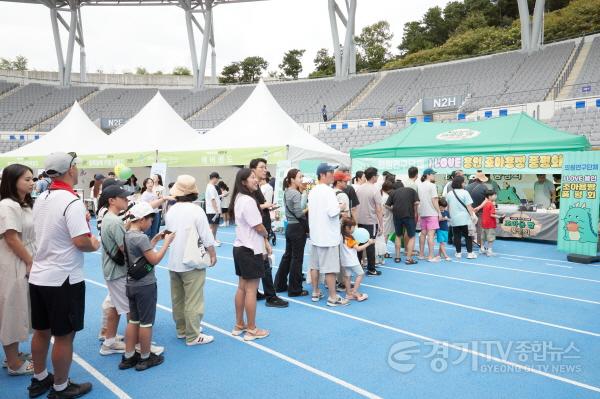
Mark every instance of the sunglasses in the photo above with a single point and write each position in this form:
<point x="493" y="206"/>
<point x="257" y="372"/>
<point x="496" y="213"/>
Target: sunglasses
<point x="73" y="159"/>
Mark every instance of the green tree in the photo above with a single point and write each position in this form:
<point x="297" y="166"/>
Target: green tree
<point x="374" y="45"/>
<point x="158" y="73"/>
<point x="20" y="63"/>
<point x="6" y="64"/>
<point x="324" y="62"/>
<point x="141" y="71"/>
<point x="252" y="68"/>
<point x="181" y="70"/>
<point x="230" y="73"/>
<point x="291" y="64"/>
<point x="414" y="38"/>
<point x="474" y="20"/>
<point x="454" y="13"/>
<point x="436" y="29"/>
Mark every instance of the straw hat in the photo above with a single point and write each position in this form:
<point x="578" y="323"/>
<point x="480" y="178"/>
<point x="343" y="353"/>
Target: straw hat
<point x="184" y="185"/>
<point x="479" y="175"/>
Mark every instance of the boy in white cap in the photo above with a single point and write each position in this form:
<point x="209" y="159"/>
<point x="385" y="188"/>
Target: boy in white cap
<point x="141" y="288"/>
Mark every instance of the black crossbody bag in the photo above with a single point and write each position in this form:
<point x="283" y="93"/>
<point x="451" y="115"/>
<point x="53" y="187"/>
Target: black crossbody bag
<point x="138" y="269"/>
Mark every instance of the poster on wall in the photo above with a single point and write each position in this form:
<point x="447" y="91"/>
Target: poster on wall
<point x="578" y="220"/>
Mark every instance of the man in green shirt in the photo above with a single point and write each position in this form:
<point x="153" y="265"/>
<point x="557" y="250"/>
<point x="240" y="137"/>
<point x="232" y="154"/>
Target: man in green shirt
<point x="113" y="264"/>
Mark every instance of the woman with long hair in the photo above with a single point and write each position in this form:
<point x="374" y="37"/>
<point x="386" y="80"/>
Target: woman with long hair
<point x="250" y="249"/>
<point x="17" y="247"/>
<point x="148" y="195"/>
<point x="295" y="237"/>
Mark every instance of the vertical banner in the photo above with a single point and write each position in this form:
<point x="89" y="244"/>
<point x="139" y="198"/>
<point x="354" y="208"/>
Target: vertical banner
<point x="579" y="207"/>
<point x="280" y="173"/>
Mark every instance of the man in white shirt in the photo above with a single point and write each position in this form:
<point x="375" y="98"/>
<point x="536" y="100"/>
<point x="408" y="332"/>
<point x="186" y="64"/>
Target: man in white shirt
<point x="429" y="213"/>
<point x="544" y="193"/>
<point x="325" y="235"/>
<point x="212" y="203"/>
<point x="56" y="284"/>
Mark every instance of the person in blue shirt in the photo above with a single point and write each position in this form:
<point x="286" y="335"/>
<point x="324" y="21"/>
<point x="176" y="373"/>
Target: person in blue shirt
<point x="441" y="234"/>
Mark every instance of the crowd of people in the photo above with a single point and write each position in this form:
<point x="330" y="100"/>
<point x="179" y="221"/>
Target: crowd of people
<point x="41" y="263"/>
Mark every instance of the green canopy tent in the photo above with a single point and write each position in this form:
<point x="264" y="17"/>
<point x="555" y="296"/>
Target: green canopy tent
<point x="511" y="144"/>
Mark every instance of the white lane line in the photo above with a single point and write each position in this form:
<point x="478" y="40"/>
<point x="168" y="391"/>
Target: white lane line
<point x="272" y="352"/>
<point x="441" y="343"/>
<point x="119" y="393"/>
<point x="483" y="310"/>
<point x="565" y="267"/>
<point x="515" y="259"/>
<point x="527" y="271"/>
<point x="494" y="285"/>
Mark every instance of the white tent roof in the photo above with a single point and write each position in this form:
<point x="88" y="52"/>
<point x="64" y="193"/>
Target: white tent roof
<point x="157" y="127"/>
<point x="261" y="122"/>
<point x="75" y="133"/>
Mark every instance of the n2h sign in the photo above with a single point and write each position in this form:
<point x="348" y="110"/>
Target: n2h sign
<point x="579" y="207"/>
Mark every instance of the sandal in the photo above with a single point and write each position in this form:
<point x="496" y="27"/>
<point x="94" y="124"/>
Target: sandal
<point x="387" y="256"/>
<point x="257" y="333"/>
<point x="411" y="261"/>
<point x="397" y="260"/>
<point x="359" y="296"/>
<point x="317" y="297"/>
<point x="20" y="355"/>
<point x="238" y="330"/>
<point x="26" y="368"/>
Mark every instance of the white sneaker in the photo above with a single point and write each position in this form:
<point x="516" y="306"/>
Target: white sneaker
<point x="202" y="339"/>
<point x="458" y="255"/>
<point x="217" y="243"/>
<point x="116" y="347"/>
<point x="483" y="250"/>
<point x="157" y="350"/>
<point x="471" y="255"/>
<point x="489" y="252"/>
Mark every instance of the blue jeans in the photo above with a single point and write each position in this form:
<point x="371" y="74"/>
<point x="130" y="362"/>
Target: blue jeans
<point x="153" y="230"/>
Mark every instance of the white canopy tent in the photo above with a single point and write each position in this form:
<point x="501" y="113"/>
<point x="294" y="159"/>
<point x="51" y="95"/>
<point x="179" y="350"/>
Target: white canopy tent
<point x="261" y="122"/>
<point x="75" y="133"/>
<point x="157" y="127"/>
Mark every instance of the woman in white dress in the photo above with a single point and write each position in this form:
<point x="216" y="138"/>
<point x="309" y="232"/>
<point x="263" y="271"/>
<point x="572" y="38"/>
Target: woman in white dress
<point x="17" y="247"/>
<point x="388" y="224"/>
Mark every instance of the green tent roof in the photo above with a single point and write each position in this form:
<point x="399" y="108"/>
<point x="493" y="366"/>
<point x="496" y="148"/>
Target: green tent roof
<point x="518" y="133"/>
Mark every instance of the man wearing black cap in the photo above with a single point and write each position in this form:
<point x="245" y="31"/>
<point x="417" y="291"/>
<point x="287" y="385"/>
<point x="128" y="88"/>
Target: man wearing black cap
<point x="56" y="284"/>
<point x="113" y="264"/>
<point x="259" y="166"/>
<point x="212" y="202"/>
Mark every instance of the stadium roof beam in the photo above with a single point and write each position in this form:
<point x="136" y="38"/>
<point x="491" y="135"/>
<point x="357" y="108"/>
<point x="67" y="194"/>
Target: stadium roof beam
<point x="532" y="31"/>
<point x="75" y="30"/>
<point x="345" y="57"/>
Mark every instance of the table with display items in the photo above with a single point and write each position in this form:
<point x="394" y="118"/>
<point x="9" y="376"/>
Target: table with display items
<point x="538" y="225"/>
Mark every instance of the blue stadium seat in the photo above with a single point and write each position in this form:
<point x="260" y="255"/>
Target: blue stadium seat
<point x="579" y="104"/>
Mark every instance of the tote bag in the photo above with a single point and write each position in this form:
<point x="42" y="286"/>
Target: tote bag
<point x="194" y="253"/>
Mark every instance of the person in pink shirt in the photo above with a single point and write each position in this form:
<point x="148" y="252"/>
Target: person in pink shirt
<point x="250" y="248"/>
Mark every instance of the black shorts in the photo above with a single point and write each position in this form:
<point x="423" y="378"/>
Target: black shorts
<point x="142" y="304"/>
<point x="247" y="265"/>
<point x="213" y="218"/>
<point x="405" y="223"/>
<point x="58" y="309"/>
<point x="224" y="210"/>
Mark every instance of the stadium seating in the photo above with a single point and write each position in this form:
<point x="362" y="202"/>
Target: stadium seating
<point x="35" y="103"/>
<point x="213" y="116"/>
<point x="589" y="75"/>
<point x="6" y="86"/>
<point x="584" y="121"/>
<point x="508" y="78"/>
<point x="346" y="139"/>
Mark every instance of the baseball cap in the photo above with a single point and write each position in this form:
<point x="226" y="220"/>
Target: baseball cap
<point x="140" y="210"/>
<point x="58" y="163"/>
<point x="99" y="176"/>
<point x="341" y="176"/>
<point x="324" y="168"/>
<point x="429" y="171"/>
<point x="214" y="175"/>
<point x="111" y="181"/>
<point x="114" y="191"/>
